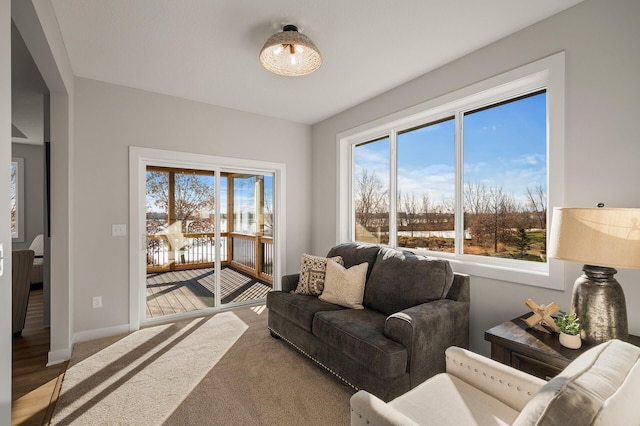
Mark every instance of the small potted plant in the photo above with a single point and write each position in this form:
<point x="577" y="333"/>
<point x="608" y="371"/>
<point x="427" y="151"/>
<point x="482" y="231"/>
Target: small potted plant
<point x="569" y="326"/>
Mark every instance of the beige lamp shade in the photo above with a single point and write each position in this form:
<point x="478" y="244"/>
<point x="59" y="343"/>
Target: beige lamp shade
<point x="290" y="53"/>
<point x="608" y="237"/>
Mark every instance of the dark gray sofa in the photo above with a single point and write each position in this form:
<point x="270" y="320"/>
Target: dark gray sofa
<point x="415" y="308"/>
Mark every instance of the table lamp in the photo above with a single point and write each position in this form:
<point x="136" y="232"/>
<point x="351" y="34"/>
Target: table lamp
<point x="602" y="239"/>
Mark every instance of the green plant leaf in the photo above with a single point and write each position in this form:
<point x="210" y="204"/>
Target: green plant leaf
<point x="569" y="324"/>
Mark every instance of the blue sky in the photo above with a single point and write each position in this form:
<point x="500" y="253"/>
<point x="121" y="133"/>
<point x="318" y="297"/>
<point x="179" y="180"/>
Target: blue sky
<point x="244" y="193"/>
<point x="504" y="146"/>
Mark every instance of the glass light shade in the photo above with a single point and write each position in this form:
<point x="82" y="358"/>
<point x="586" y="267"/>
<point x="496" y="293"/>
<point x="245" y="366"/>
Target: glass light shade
<point x="290" y="53"/>
<point x="596" y="236"/>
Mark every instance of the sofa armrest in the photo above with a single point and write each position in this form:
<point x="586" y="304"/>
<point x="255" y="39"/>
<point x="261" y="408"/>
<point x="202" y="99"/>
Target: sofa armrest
<point x="427" y="330"/>
<point x="513" y="387"/>
<point x="290" y="282"/>
<point x="460" y="288"/>
<point x="367" y="409"/>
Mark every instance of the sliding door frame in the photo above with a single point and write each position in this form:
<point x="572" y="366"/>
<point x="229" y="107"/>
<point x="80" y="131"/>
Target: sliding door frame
<point x="139" y="159"/>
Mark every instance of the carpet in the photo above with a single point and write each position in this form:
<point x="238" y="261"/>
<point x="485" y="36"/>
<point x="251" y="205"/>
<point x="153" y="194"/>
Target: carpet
<point x="223" y="369"/>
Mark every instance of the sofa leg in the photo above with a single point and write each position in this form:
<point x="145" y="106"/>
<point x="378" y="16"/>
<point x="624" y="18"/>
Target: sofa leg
<point x="274" y="335"/>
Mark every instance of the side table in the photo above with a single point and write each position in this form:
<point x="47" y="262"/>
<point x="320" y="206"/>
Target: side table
<point x="533" y="351"/>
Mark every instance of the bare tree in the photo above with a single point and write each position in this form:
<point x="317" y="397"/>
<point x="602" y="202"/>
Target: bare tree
<point x="537" y="197"/>
<point x="442" y="216"/>
<point x="426" y="207"/>
<point x="410" y="205"/>
<point x="500" y="209"/>
<point x="402" y="222"/>
<point x="475" y="207"/>
<point x="447" y="206"/>
<point x="191" y="196"/>
<point x="491" y="214"/>
<point x="370" y="197"/>
<point x="475" y="198"/>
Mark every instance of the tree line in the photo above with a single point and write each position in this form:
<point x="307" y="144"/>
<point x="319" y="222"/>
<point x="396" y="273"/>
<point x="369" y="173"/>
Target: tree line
<point x="493" y="218"/>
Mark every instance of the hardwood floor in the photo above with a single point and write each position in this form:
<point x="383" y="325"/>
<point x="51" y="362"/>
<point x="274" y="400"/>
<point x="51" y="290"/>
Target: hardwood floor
<point x="35" y="387"/>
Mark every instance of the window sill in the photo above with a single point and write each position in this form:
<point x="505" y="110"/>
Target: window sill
<point x="545" y="275"/>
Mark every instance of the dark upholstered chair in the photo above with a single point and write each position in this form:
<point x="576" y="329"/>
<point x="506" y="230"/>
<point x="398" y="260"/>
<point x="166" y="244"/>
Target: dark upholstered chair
<point x="22" y="262"/>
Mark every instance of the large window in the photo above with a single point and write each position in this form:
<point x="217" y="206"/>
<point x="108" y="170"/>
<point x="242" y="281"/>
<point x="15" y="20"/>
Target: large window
<point x="468" y="176"/>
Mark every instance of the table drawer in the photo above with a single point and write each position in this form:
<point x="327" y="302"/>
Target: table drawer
<point x="533" y="366"/>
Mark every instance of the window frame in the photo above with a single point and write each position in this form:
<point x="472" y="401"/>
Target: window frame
<point x="547" y="73"/>
<point x="18" y="235"/>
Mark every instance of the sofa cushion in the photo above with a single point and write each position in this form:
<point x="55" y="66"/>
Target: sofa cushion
<point x="344" y="287"/>
<point x="358" y="334"/>
<point x="600" y="387"/>
<point x="355" y="254"/>
<point x="312" y="272"/>
<point x="401" y="279"/>
<point x="298" y="308"/>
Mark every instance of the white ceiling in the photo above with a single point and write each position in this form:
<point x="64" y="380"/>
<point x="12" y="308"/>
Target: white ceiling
<point x="207" y="50"/>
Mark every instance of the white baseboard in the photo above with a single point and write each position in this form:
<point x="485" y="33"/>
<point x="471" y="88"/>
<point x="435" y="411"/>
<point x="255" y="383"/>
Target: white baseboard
<point x="98" y="333"/>
<point x="62" y="355"/>
<point x="59" y="356"/>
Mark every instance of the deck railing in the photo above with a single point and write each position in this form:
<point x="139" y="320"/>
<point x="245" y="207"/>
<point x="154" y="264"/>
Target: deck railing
<point x="252" y="254"/>
<point x="267" y="256"/>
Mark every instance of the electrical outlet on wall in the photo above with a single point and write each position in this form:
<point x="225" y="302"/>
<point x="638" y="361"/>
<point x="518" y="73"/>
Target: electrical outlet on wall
<point x="97" y="302"/>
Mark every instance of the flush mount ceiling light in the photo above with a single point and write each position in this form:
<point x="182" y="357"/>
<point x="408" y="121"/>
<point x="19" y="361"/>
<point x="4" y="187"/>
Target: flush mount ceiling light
<point x="290" y="53"/>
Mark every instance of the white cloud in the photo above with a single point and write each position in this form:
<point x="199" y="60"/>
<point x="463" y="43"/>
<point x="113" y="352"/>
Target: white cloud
<point x="438" y="181"/>
<point x="530" y="159"/>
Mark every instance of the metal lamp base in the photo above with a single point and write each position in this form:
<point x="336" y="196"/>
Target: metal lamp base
<point x="598" y="301"/>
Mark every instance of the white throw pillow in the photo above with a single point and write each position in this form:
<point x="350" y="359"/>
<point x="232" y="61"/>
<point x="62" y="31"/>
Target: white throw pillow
<point x="344" y="287"/>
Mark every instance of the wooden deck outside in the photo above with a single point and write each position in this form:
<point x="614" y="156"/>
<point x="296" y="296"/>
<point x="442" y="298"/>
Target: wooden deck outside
<point x="189" y="290"/>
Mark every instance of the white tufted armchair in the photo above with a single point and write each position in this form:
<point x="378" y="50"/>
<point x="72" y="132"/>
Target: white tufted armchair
<point x="600" y="387"/>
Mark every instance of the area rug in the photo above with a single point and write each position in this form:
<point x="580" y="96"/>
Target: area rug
<point x="223" y="369"/>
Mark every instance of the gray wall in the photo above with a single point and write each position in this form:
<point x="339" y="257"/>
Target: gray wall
<point x="5" y="230"/>
<point x="111" y="118"/>
<point x="601" y="147"/>
<point x="39" y="28"/>
<point x="34" y="212"/>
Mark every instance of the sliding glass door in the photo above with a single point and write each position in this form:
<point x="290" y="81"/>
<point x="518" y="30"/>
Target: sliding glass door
<point x="209" y="236"/>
